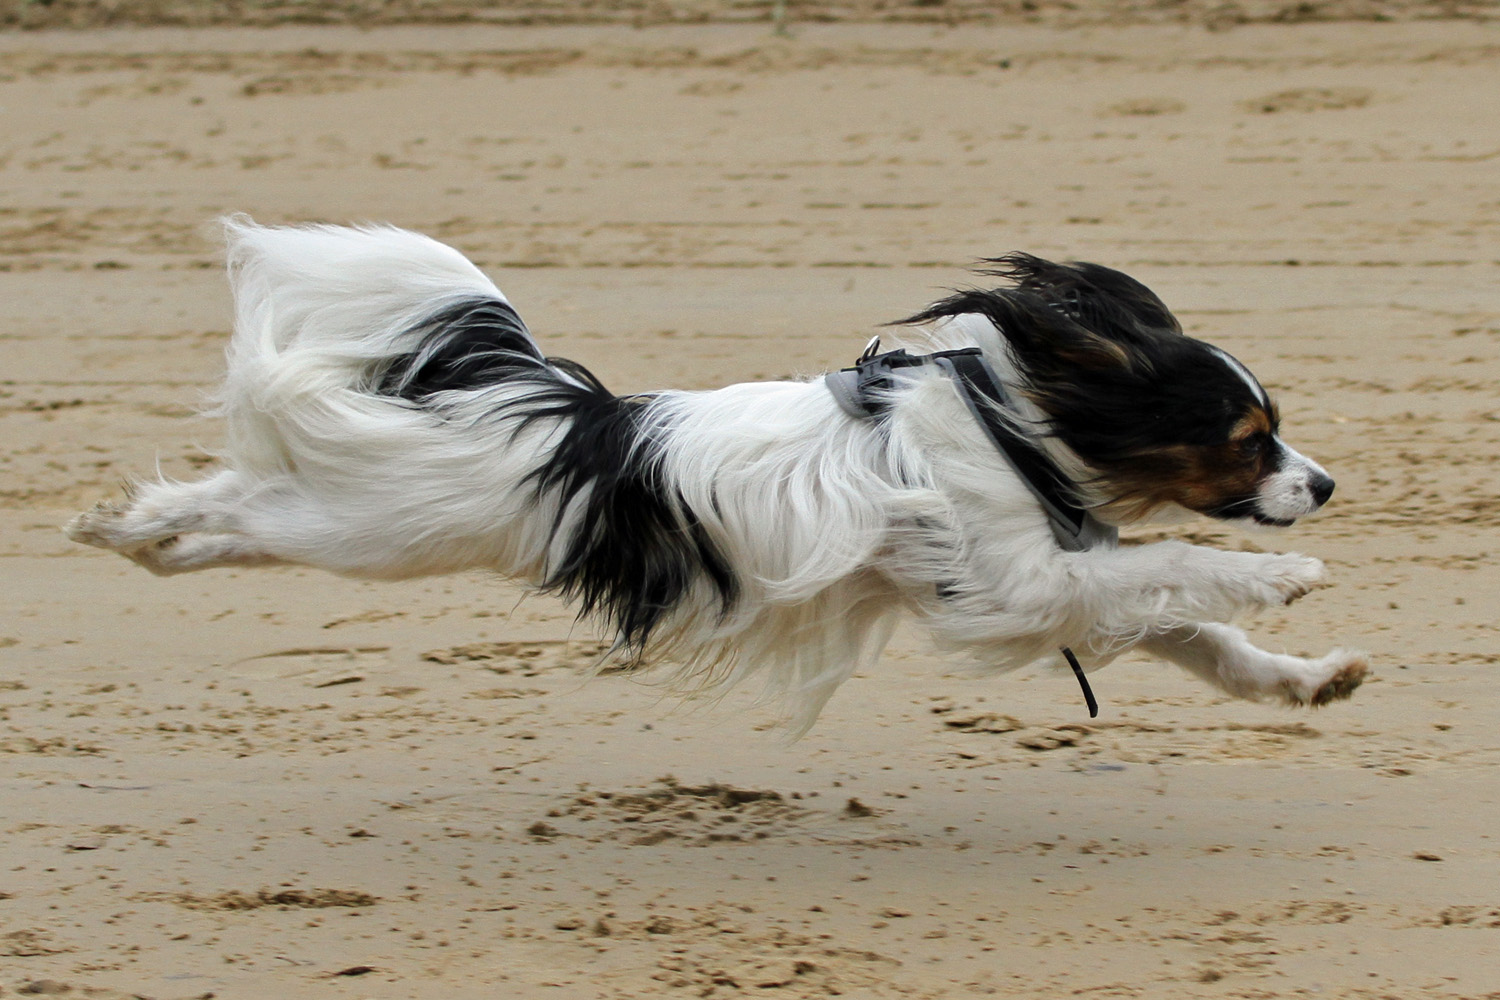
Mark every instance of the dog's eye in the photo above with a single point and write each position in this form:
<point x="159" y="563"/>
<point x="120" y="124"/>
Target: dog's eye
<point x="1251" y="446"/>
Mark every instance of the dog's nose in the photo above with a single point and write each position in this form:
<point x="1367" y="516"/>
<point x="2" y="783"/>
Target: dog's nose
<point x="1322" y="488"/>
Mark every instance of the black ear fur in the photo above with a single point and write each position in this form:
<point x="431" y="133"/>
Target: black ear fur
<point x="1072" y="326"/>
<point x="1046" y="342"/>
<point x="1108" y="302"/>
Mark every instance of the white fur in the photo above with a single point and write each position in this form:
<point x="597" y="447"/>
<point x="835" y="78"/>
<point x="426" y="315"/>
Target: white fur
<point x="833" y="526"/>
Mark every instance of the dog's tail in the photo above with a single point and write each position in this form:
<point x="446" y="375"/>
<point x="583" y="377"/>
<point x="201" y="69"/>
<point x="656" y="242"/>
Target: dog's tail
<point x="321" y="315"/>
<point x="379" y="375"/>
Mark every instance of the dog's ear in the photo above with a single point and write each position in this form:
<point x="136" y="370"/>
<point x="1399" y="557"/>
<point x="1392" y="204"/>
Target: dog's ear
<point x="1045" y="341"/>
<point x="1105" y="301"/>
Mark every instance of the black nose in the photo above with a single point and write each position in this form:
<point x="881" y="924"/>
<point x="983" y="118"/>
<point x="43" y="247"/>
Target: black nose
<point x="1322" y="488"/>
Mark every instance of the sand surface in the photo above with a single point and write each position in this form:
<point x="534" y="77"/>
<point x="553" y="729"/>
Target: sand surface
<point x="282" y="784"/>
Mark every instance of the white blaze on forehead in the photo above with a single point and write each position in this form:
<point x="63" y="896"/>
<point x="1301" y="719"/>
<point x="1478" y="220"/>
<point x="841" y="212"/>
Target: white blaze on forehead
<point x="1256" y="389"/>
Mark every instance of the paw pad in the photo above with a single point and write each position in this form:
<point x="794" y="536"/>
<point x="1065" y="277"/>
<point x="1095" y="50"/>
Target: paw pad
<point x="1342" y="684"/>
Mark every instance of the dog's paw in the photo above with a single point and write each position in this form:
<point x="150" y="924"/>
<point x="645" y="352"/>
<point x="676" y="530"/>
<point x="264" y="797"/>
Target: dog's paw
<point x="1284" y="578"/>
<point x="1332" y="678"/>
<point x="98" y="526"/>
<point x="1350" y="668"/>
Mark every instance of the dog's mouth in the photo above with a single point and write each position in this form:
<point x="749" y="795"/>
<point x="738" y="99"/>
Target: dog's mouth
<point x="1248" y="509"/>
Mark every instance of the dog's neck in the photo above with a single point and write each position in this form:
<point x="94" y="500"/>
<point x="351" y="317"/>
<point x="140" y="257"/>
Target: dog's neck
<point x="863" y="391"/>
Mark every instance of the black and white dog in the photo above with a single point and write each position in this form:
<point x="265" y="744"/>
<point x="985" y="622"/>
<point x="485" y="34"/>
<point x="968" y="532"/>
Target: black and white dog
<point x="389" y="415"/>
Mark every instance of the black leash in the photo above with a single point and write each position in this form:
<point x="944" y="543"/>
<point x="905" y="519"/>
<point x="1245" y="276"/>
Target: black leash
<point x="861" y="391"/>
<point x="1083" y="682"/>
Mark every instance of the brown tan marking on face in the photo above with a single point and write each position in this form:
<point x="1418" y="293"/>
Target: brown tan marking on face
<point x="1257" y="421"/>
<point x="1201" y="478"/>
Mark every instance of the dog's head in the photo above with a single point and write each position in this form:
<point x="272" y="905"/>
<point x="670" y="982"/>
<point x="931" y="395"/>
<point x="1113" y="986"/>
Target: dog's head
<point x="1156" y="418"/>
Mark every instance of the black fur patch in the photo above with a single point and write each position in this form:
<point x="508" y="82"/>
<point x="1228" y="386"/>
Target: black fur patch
<point x="635" y="549"/>
<point x="470" y="345"/>
<point x="1108" y="302"/>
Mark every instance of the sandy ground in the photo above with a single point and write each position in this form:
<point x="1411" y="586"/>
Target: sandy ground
<point x="1212" y="14"/>
<point x="278" y="783"/>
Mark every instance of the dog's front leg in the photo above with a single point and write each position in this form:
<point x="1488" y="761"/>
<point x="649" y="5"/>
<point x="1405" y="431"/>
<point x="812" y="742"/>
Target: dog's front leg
<point x="1223" y="656"/>
<point x="1149" y="587"/>
<point x="1107" y="600"/>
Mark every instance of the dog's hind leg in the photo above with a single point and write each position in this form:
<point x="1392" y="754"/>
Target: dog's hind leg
<point x="1225" y="657"/>
<point x="185" y="553"/>
<point x="156" y="511"/>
